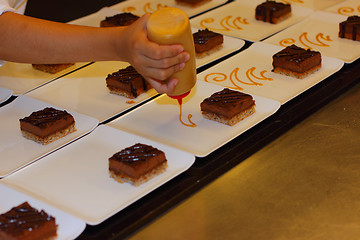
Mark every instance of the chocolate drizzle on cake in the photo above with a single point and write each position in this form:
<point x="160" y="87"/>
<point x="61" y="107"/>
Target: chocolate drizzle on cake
<point x="137" y="152"/>
<point x="23" y="218"/>
<point x="296" y="54"/>
<point x="202" y="36"/>
<point x="229" y="96"/>
<point x="45" y="117"/>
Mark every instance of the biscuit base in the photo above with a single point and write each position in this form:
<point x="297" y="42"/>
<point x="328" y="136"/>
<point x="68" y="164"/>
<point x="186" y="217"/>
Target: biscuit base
<point x="296" y="74"/>
<point x="121" y="93"/>
<point x="50" y="138"/>
<point x="52" y="68"/>
<point x="123" y="178"/>
<point x="209" y="52"/>
<point x="232" y="121"/>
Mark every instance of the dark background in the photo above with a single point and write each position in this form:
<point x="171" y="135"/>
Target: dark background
<point x="65" y="10"/>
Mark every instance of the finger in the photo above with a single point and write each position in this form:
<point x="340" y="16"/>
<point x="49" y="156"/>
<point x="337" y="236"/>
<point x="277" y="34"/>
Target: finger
<point x="163" y="73"/>
<point x="183" y="57"/>
<point x="163" y="86"/>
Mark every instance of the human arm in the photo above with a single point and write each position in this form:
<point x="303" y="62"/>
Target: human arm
<point x="31" y="40"/>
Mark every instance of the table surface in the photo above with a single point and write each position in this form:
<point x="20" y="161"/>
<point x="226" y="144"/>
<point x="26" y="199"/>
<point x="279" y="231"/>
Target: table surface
<point x="298" y="177"/>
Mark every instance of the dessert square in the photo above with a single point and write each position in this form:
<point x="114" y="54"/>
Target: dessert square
<point x="47" y="125"/>
<point x="191" y="3"/>
<point x="228" y="106"/>
<point x="350" y="28"/>
<point x="52" y="68"/>
<point x="207" y="42"/>
<point x="25" y="222"/>
<point x="296" y="62"/>
<point x="137" y="164"/>
<point x="121" y="19"/>
<point x="127" y="82"/>
<point x="272" y="12"/>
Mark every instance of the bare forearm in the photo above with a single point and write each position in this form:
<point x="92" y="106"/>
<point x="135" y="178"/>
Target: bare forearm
<point x="29" y="40"/>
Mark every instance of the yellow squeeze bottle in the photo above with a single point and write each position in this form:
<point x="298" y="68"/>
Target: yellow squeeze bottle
<point x="171" y="26"/>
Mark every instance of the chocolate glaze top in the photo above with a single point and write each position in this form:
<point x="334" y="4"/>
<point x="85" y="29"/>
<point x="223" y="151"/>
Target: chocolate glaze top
<point x="137" y="152"/>
<point x="122" y="19"/>
<point x="353" y="19"/>
<point x="296" y="54"/>
<point x="125" y="75"/>
<point x="46" y="116"/>
<point x="272" y="6"/>
<point x="22" y="218"/>
<point x="228" y="96"/>
<point x="202" y="36"/>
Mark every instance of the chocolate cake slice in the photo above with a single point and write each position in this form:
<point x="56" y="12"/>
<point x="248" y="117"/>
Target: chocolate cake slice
<point x="296" y="62"/>
<point x="137" y="164"/>
<point x="206" y="42"/>
<point x="272" y="12"/>
<point x="227" y="106"/>
<point x="350" y="28"/>
<point x="47" y="125"/>
<point x="27" y="223"/>
<point x="127" y="82"/>
<point x="121" y="19"/>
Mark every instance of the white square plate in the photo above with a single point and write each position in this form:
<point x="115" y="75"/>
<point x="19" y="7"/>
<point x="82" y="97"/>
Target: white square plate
<point x="22" y="78"/>
<point x="320" y="32"/>
<point x="17" y="151"/>
<point x="5" y="94"/>
<point x="140" y="7"/>
<point x="251" y="71"/>
<point x="76" y="178"/>
<point x="347" y="8"/>
<point x="85" y="91"/>
<point x="159" y="120"/>
<point x="69" y="227"/>
<point x="237" y="19"/>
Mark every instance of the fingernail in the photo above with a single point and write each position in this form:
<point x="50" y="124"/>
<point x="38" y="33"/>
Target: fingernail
<point x="182" y="66"/>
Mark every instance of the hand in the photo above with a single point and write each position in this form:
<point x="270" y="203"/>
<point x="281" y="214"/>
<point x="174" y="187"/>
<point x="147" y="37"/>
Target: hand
<point x="156" y="63"/>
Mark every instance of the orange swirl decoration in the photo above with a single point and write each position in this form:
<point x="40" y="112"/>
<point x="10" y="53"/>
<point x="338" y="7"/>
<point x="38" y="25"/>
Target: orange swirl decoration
<point x="286" y="42"/>
<point x="250" y="72"/>
<point x="304" y="40"/>
<point x="149" y="9"/>
<point x="129" y="9"/>
<point x="234" y="79"/>
<point x="345" y="10"/>
<point x="225" y="23"/>
<point x="303" y="37"/>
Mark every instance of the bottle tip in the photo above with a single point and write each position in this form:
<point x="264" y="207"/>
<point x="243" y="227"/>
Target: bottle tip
<point x="181" y="96"/>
